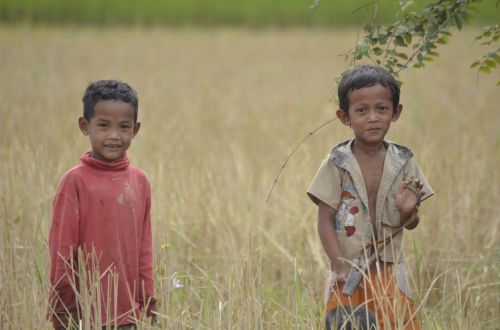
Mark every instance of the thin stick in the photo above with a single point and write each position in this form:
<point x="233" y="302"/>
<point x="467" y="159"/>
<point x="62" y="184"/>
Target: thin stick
<point x="291" y="154"/>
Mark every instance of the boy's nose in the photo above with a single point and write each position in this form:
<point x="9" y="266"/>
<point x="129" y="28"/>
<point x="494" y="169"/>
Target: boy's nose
<point x="372" y="116"/>
<point x="113" y="134"/>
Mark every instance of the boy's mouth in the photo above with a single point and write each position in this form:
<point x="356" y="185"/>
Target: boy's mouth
<point x="112" y="146"/>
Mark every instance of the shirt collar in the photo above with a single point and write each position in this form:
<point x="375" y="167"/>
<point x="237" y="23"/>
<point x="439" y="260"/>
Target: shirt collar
<point x="341" y="154"/>
<point x="109" y="166"/>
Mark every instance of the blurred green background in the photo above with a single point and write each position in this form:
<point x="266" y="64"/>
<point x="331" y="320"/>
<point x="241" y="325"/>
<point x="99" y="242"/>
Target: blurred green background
<point x="212" y="12"/>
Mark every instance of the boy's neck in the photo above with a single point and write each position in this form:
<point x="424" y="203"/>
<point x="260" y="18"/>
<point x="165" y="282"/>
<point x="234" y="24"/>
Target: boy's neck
<point x="369" y="150"/>
<point x="93" y="155"/>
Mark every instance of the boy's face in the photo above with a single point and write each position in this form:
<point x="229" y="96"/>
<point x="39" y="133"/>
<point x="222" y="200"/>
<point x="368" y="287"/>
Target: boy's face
<point x="370" y="113"/>
<point x="110" y="130"/>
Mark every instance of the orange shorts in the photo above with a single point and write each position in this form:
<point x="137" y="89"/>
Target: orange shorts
<point x="380" y="297"/>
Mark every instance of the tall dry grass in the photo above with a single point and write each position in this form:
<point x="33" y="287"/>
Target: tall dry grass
<point x="220" y="110"/>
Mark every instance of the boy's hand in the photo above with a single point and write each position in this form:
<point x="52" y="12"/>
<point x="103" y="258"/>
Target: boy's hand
<point x="406" y="198"/>
<point x="154" y="321"/>
<point x="341" y="270"/>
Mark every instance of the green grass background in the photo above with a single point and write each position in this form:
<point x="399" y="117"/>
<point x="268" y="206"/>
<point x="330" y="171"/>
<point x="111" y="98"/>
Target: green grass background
<point x="212" y="12"/>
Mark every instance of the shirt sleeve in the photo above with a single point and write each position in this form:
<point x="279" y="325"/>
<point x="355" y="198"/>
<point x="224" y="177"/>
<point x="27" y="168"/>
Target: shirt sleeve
<point x="63" y="242"/>
<point x="147" y="298"/>
<point x="326" y="185"/>
<point x="412" y="169"/>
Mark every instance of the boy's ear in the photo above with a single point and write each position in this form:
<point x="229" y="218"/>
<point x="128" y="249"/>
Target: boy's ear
<point x="137" y="126"/>
<point x="344" y="118"/>
<point x="397" y="112"/>
<point x="84" y="125"/>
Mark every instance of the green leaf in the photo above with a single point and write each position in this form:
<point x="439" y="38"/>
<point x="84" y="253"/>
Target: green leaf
<point x="399" y="41"/>
<point x="392" y="52"/>
<point x="490" y="63"/>
<point x="419" y="30"/>
<point x="420" y="58"/>
<point x="493" y="52"/>
<point x="431" y="30"/>
<point x="403" y="56"/>
<point x="389" y="67"/>
<point x="442" y="40"/>
<point x="407" y="37"/>
<point x="473" y="65"/>
<point x="402" y="28"/>
<point x="378" y="51"/>
<point x="485" y="69"/>
<point x="433" y="53"/>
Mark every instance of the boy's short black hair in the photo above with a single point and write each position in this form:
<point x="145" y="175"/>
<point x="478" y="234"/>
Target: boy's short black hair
<point x="102" y="90"/>
<point x="366" y="76"/>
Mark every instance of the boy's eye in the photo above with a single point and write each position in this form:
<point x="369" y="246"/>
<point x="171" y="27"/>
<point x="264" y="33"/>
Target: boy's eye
<point x="126" y="126"/>
<point x="360" y="110"/>
<point x="103" y="125"/>
<point x="382" y="108"/>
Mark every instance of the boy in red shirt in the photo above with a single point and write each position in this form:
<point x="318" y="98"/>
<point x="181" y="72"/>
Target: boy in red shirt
<point x="100" y="236"/>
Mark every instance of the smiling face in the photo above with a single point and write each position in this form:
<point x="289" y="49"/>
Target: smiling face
<point x="111" y="129"/>
<point x="370" y="113"/>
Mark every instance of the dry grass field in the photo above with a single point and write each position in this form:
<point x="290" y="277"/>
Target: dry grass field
<point x="220" y="110"/>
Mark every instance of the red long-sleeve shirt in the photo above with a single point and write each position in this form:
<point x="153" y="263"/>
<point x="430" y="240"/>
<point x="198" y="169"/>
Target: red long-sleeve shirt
<point x="102" y="209"/>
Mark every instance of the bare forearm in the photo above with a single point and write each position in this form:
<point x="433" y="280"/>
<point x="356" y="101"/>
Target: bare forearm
<point x="330" y="244"/>
<point x="328" y="236"/>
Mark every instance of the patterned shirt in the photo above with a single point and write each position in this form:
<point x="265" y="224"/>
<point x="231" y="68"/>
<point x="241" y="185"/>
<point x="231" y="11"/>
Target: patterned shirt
<point x="339" y="183"/>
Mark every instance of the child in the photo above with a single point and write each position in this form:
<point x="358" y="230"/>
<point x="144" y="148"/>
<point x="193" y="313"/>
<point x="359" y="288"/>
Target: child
<point x="101" y="225"/>
<point x="366" y="190"/>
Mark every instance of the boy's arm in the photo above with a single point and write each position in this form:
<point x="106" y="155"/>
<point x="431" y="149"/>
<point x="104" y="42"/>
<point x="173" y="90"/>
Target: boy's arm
<point x="147" y="298"/>
<point x="328" y="237"/>
<point x="63" y="242"/>
<point x="407" y="201"/>
<point x="412" y="190"/>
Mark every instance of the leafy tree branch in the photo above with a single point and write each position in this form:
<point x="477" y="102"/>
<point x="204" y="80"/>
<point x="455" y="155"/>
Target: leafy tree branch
<point x="412" y="41"/>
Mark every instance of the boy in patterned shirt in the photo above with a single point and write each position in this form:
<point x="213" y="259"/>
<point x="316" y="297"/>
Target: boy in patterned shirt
<point x="367" y="189"/>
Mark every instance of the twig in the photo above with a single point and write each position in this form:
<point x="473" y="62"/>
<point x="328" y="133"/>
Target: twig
<point x="291" y="154"/>
<point x="364" y="6"/>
